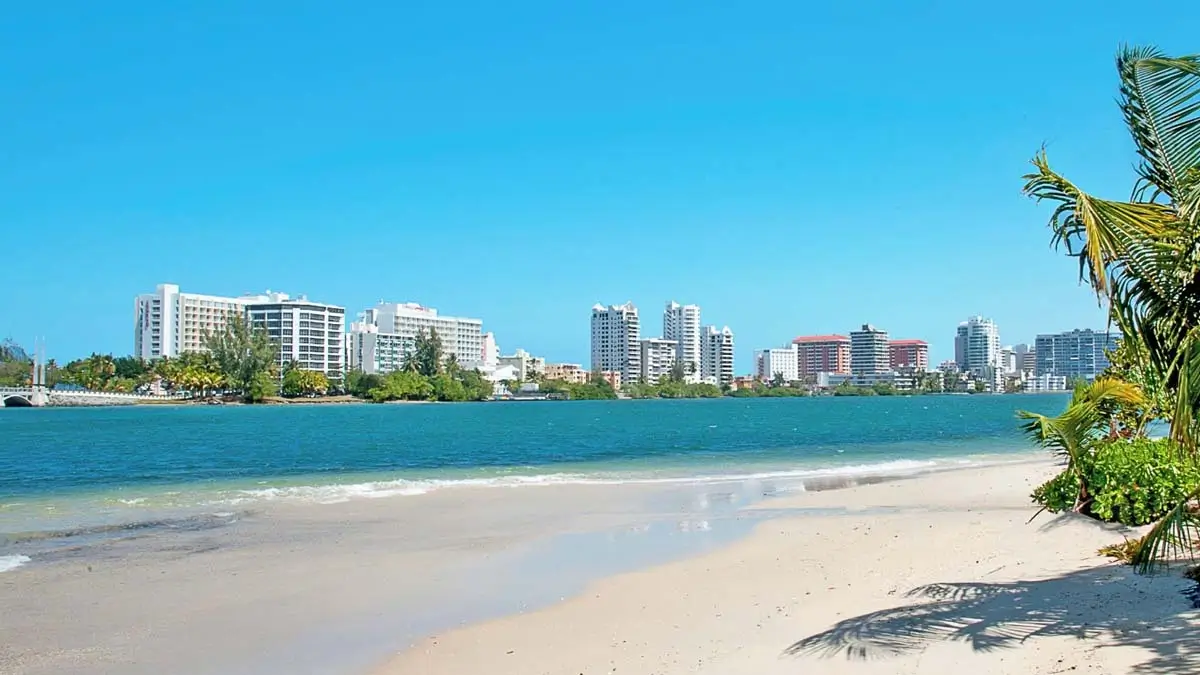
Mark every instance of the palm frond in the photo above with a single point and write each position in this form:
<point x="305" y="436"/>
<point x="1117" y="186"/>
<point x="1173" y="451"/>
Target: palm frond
<point x="1160" y="99"/>
<point x="1099" y="232"/>
<point x="1172" y="537"/>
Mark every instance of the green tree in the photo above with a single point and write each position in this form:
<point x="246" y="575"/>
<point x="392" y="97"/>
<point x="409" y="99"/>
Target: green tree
<point x="778" y="381"/>
<point x="1140" y="256"/>
<point x="402" y="385"/>
<point x="300" y="382"/>
<point x="426" y="355"/>
<point x="16" y="367"/>
<point x="245" y="356"/>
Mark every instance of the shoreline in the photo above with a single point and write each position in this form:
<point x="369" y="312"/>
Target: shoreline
<point x="859" y="592"/>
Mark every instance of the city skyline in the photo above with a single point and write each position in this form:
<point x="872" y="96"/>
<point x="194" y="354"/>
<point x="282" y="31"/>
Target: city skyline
<point x="745" y="358"/>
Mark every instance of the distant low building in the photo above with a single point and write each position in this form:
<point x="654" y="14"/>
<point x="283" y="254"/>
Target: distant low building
<point x="1045" y="383"/>
<point x="566" y="372"/>
<point x="613" y="378"/>
<point x="772" y="362"/>
<point x="526" y="364"/>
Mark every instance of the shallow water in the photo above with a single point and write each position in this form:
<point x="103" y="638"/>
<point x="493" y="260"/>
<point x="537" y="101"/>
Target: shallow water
<point x="87" y="468"/>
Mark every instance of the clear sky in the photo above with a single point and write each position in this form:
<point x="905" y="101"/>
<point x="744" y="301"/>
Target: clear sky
<point x="791" y="167"/>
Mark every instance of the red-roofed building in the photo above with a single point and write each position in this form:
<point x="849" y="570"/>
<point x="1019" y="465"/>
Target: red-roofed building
<point x="823" y="354"/>
<point x="909" y="354"/>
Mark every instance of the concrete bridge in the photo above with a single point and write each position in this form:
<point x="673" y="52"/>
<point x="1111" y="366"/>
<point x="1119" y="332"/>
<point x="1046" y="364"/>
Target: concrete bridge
<point x="36" y="397"/>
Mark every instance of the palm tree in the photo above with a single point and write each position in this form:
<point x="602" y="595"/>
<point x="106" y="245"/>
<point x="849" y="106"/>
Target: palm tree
<point x="1089" y="418"/>
<point x="1142" y="256"/>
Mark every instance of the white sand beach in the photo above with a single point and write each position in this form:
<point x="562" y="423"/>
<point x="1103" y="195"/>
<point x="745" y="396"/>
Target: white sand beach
<point x="938" y="574"/>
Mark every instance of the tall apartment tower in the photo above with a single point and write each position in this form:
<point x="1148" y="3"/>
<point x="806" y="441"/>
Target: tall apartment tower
<point x="681" y="324"/>
<point x="977" y="350"/>
<point x="869" y="352"/>
<point x="716" y="355"/>
<point x="616" y="340"/>
<point x="309" y="334"/>
<point x="1075" y="354"/>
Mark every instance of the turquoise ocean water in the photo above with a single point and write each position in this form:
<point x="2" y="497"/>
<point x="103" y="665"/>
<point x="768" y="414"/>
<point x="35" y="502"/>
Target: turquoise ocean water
<point x="64" y="468"/>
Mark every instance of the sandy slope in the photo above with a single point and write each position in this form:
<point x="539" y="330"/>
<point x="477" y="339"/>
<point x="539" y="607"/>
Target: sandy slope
<point x="939" y="574"/>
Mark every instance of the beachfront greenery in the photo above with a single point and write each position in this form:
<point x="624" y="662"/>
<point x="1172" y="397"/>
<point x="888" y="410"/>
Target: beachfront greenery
<point x="245" y="357"/>
<point x="759" y="390"/>
<point x="300" y="382"/>
<point x="673" y="385"/>
<point x="428" y="375"/>
<point x="1142" y="259"/>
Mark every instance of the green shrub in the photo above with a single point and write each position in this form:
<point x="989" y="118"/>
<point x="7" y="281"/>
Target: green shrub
<point x="1136" y="482"/>
<point x="1133" y="482"/>
<point x="1058" y="493"/>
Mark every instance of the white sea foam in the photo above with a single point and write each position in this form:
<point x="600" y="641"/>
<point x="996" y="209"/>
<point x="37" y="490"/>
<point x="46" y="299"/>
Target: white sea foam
<point x="12" y="562"/>
<point x="337" y="493"/>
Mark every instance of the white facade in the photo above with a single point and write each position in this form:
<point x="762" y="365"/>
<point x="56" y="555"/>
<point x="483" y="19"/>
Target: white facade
<point x="716" y="355"/>
<point x="869" y="351"/>
<point x="658" y="358"/>
<point x="616" y="333"/>
<point x="374" y="352"/>
<point x="977" y="350"/>
<point x="1047" y="382"/>
<point x="784" y="361"/>
<point x="1008" y="361"/>
<point x="681" y="323"/>
<point x="491" y="352"/>
<point x="168" y="322"/>
<point x="526" y="364"/>
<point x="462" y="337"/>
<point x="308" y="334"/>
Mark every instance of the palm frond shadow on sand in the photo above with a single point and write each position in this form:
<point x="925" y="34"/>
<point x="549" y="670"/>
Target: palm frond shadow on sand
<point x="1110" y="604"/>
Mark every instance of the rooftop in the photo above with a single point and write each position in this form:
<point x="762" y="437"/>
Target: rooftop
<point x="820" y="338"/>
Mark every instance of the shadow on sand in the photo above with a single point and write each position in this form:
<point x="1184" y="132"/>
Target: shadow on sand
<point x="1110" y="604"/>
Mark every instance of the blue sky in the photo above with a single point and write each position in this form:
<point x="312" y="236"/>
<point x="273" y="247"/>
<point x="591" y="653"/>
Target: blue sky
<point x="791" y="167"/>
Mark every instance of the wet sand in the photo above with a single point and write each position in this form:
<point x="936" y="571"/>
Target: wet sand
<point x="749" y="576"/>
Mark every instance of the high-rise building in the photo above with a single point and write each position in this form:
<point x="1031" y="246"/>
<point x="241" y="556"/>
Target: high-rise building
<point x="822" y="354"/>
<point x="912" y="354"/>
<point x="1026" y="359"/>
<point x="616" y="333"/>
<point x="168" y="322"/>
<point x="1074" y="354"/>
<point x="869" y="351"/>
<point x="716" y="355"/>
<point x="977" y="350"/>
<point x="657" y="358"/>
<point x="782" y="362"/>
<point x="681" y="323"/>
<point x="308" y="334"/>
<point x="462" y="337"/>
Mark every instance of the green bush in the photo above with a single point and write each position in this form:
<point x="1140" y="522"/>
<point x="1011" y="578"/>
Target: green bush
<point x="1133" y="482"/>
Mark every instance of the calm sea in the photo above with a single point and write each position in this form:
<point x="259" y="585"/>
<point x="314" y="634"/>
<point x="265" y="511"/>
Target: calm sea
<point x="73" y="467"/>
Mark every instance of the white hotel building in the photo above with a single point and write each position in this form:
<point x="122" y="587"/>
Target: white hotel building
<point x="168" y="323"/>
<point x="783" y="361"/>
<point x="379" y="341"/>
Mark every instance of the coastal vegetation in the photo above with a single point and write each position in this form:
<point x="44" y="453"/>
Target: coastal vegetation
<point x="427" y="375"/>
<point x="673" y="385"/>
<point x="1141" y="258"/>
<point x="596" y="388"/>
